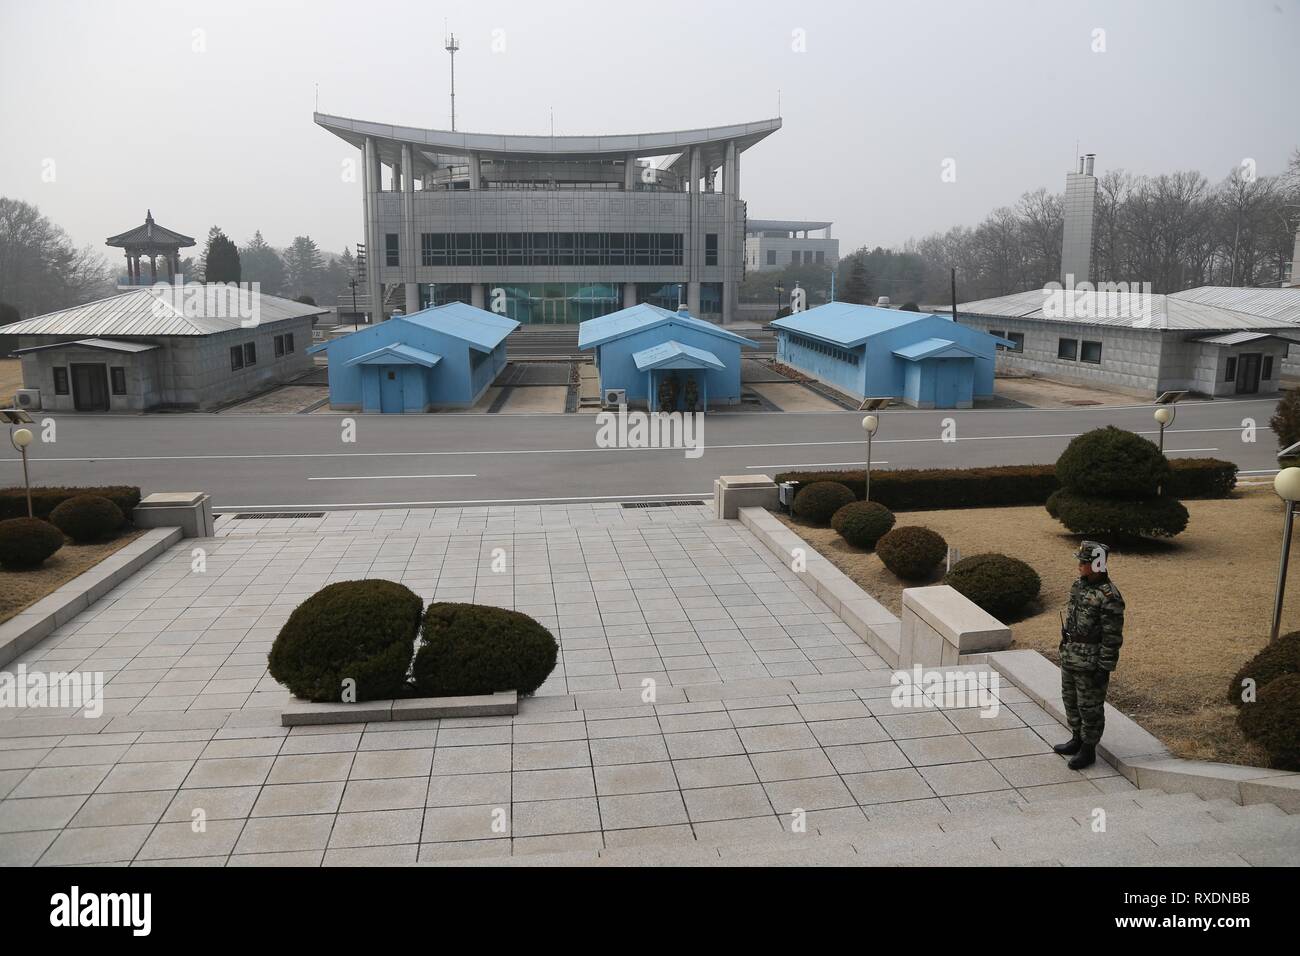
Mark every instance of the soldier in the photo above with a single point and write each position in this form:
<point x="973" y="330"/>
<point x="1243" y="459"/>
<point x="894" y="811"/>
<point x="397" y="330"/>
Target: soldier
<point x="1091" y="636"/>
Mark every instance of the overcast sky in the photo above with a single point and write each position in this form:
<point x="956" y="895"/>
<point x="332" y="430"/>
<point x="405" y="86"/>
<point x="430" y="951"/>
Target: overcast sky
<point x="203" y="110"/>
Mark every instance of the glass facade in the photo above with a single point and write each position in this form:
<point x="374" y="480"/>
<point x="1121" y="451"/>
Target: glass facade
<point x="666" y="295"/>
<point x="551" y="249"/>
<point x="440" y="293"/>
<point x="557" y="303"/>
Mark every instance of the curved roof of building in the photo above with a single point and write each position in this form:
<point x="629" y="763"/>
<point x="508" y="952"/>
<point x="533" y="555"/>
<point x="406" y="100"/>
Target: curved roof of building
<point x="440" y="141"/>
<point x="149" y="233"/>
<point x="783" y="225"/>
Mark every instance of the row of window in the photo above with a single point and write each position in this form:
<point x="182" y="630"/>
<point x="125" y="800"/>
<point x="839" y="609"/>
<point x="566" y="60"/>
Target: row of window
<point x="1070" y="350"/>
<point x="116" y="378"/>
<point x="1018" y="338"/>
<point x="823" y="348"/>
<point x="807" y="257"/>
<point x="549" y="249"/>
<point x="243" y="356"/>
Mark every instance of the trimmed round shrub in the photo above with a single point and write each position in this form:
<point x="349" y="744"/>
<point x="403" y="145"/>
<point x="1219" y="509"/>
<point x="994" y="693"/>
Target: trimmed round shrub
<point x="1117" y="518"/>
<point x="1112" y="463"/>
<point x="87" y="518"/>
<point x="862" y="523"/>
<point x="1274" y="660"/>
<point x="912" y="552"/>
<point x="999" y="584"/>
<point x="362" y="631"/>
<point x="25" y="543"/>
<point x="477" y="649"/>
<point x="819" y="501"/>
<point x="1273" y="721"/>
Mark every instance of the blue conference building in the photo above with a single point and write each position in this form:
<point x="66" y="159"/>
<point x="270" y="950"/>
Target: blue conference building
<point x="445" y="357"/>
<point x="923" y="360"/>
<point x="639" y="348"/>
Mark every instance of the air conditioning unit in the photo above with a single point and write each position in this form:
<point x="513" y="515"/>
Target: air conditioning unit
<point x="28" y="399"/>
<point x="615" y="396"/>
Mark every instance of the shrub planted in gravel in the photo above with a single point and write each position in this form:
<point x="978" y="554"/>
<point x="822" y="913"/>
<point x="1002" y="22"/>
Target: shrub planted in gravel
<point x="1000" y="584"/>
<point x="1274" y="660"/>
<point x="361" y="631"/>
<point x="477" y="649"/>
<point x="862" y="523"/>
<point x="88" y="518"/>
<point x="819" y="501"/>
<point x="25" y="543"/>
<point x="912" y="552"/>
<point x="1273" y="721"/>
<point x="1118" y="518"/>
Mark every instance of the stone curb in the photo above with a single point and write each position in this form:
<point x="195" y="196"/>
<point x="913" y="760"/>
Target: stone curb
<point x="868" y="618"/>
<point x="1137" y="754"/>
<point x="305" y="713"/>
<point x="32" y="625"/>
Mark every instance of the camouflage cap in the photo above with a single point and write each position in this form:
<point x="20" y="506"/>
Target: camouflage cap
<point x="1091" y="550"/>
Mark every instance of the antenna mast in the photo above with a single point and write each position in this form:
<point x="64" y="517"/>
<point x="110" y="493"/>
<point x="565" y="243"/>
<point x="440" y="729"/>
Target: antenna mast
<point x="451" y="46"/>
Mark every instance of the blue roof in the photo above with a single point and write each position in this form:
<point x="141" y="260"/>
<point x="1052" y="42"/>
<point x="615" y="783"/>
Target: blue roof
<point x="483" y="330"/>
<point x="934" y="348"/>
<point x="595" y="332"/>
<point x="673" y="354"/>
<point x="397" y="354"/>
<point x="845" y="323"/>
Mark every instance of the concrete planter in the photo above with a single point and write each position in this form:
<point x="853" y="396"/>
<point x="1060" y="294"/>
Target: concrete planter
<point x="305" y="713"/>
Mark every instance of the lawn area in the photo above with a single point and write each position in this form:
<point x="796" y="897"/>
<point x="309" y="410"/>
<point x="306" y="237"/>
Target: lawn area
<point x="20" y="589"/>
<point x="1197" y="606"/>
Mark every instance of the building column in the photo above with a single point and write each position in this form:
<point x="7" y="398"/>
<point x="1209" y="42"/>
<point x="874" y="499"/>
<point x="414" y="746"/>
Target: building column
<point x="629" y="172"/>
<point x="694" y="250"/>
<point x="629" y="294"/>
<point x="374" y="255"/>
<point x="693" y="298"/>
<point x="729" y="240"/>
<point x="476" y="298"/>
<point x="475" y="171"/>
<point x="153" y="268"/>
<point x="410" y="251"/>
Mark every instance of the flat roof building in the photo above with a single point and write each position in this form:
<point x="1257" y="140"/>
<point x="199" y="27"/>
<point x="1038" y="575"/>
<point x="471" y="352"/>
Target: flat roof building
<point x="772" y="244"/>
<point x="552" y="229"/>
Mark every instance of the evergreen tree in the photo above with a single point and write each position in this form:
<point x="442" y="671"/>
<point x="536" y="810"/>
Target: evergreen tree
<point x="856" y="290"/>
<point x="303" y="266"/>
<point x="262" y="264"/>
<point x="220" y="258"/>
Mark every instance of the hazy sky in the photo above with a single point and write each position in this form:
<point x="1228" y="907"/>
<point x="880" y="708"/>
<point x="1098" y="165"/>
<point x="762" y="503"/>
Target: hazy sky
<point x="203" y="110"/>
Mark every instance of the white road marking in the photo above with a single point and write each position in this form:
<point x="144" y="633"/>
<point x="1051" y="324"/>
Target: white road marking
<point x="299" y="506"/>
<point x="384" y="477"/>
<point x="819" y="464"/>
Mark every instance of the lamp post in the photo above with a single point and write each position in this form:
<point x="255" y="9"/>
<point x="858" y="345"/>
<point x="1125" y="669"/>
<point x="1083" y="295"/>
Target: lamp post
<point x="1165" y="415"/>
<point x="869" y="424"/>
<point x="1287" y="486"/>
<point x="779" y="289"/>
<point x="20" y="439"/>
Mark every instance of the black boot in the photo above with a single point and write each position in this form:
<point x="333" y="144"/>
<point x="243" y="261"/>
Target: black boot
<point x="1071" y="746"/>
<point x="1086" y="758"/>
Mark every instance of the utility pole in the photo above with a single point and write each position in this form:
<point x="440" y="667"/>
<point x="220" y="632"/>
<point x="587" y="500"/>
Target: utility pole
<point x="451" y="46"/>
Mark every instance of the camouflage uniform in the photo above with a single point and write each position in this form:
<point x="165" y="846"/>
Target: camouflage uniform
<point x="1090" y="642"/>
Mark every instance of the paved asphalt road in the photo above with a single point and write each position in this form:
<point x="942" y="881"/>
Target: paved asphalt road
<point x="281" y="462"/>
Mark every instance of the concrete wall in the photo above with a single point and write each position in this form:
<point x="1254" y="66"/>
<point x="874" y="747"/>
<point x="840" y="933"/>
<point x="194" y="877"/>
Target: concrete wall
<point x="184" y="371"/>
<point x="757" y="248"/>
<point x="618" y="370"/>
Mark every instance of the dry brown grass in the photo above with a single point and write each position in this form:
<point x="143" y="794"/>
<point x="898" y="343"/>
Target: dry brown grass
<point x="21" y="589"/>
<point x="1197" y="606"/>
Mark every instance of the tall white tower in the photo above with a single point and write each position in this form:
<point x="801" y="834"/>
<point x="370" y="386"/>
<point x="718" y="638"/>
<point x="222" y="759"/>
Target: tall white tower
<point x="1080" y="213"/>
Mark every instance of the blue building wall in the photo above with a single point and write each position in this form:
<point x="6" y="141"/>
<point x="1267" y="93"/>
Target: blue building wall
<point x="618" y="370"/>
<point x="879" y="372"/>
<point x="459" y="380"/>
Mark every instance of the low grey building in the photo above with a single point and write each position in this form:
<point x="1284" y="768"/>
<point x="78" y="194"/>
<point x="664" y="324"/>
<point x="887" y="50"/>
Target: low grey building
<point x="1142" y="343"/>
<point x="179" y="347"/>
<point x="772" y="244"/>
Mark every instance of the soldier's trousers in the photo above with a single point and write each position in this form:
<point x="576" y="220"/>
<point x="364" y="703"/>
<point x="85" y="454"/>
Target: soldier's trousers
<point x="1085" y="704"/>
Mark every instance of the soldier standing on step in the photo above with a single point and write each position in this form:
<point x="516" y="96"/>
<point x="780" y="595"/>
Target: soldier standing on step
<point x="1091" y="635"/>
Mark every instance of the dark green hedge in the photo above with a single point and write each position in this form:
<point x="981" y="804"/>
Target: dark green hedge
<point x="473" y="649"/>
<point x="1278" y="657"/>
<point x="912" y="552"/>
<point x="928" y="489"/>
<point x="1112" y="463"/>
<point x="362" y="631"/>
<point x="1273" y="721"/>
<point x="13" y="501"/>
<point x="25" y="543"/>
<point x="1161" y="517"/>
<point x="87" y="518"/>
<point x="1000" y="584"/>
<point x="862" y="523"/>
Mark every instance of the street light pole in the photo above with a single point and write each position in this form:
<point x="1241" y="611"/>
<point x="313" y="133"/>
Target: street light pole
<point x="870" y="424"/>
<point x="20" y="439"/>
<point x="1164" y="416"/>
<point x="1287" y="486"/>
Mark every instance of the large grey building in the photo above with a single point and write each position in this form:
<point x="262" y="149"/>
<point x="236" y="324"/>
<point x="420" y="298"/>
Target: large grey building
<point x="183" y="347"/>
<point x="553" y="229"/>
<point x="772" y="244"/>
<point x="1212" y="341"/>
